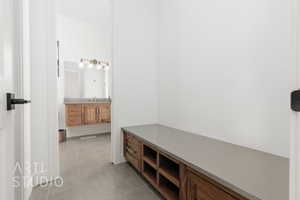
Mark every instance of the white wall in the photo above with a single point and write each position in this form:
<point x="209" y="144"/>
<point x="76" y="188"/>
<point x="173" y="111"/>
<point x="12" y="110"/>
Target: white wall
<point x="44" y="121"/>
<point x="84" y="39"/>
<point x="72" y="84"/>
<point x="226" y="70"/>
<point x="84" y="29"/>
<point x="134" y="68"/>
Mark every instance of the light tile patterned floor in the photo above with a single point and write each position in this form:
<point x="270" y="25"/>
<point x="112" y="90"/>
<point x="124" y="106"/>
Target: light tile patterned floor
<point x="89" y="175"/>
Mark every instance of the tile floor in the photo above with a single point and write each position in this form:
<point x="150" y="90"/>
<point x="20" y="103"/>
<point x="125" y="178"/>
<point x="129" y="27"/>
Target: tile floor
<point x="89" y="175"/>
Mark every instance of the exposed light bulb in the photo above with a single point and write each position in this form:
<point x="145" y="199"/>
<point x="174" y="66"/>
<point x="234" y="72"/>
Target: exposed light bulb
<point x="81" y="65"/>
<point x="91" y="65"/>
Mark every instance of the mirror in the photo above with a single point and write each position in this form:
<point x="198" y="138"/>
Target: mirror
<point x="85" y="82"/>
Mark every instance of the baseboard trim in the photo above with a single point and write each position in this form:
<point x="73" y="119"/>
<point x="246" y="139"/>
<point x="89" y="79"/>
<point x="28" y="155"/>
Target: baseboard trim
<point x="88" y="135"/>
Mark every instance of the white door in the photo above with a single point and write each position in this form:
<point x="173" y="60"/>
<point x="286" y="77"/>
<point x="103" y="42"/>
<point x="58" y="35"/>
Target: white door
<point x="8" y="55"/>
<point x="14" y="78"/>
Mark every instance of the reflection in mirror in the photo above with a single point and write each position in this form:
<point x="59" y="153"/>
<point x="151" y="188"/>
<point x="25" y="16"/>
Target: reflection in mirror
<point x="85" y="82"/>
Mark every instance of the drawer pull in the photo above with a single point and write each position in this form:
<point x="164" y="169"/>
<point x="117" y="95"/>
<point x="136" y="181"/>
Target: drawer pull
<point x="132" y="152"/>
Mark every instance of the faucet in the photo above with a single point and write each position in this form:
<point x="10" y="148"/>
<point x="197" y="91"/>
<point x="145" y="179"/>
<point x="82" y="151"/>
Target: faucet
<point x="94" y="99"/>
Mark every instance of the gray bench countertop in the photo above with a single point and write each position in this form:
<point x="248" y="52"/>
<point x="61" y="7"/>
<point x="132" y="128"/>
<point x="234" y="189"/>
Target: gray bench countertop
<point x="254" y="174"/>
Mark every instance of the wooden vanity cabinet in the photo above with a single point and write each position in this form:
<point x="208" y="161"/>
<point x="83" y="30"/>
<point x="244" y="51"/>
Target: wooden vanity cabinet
<point x="104" y="113"/>
<point x="87" y="114"/>
<point x="90" y="113"/>
<point x="74" y="115"/>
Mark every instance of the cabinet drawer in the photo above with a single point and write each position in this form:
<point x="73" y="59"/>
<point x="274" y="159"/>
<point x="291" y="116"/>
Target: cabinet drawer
<point x="133" y="146"/>
<point x="132" y="143"/>
<point x="74" y="108"/>
<point x="74" y="112"/>
<point x="73" y="115"/>
<point x="132" y="160"/>
<point x="134" y="153"/>
<point x="74" y="122"/>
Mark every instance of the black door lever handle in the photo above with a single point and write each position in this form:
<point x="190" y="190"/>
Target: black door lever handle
<point x="19" y="101"/>
<point x="11" y="101"/>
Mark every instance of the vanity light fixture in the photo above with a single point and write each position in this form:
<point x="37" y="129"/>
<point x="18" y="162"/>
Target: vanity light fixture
<point x="81" y="65"/>
<point x="100" y="65"/>
<point x="91" y="65"/>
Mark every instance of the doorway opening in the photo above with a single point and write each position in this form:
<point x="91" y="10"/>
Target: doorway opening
<point x="84" y="57"/>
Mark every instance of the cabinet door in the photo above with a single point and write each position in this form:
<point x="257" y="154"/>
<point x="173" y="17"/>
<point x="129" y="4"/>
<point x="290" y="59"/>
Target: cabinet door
<point x="90" y="114"/>
<point x="104" y="113"/>
<point x="201" y="189"/>
<point x="73" y="115"/>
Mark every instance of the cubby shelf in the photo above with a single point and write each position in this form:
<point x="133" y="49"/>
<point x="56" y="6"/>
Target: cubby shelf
<point x="162" y="172"/>
<point x="149" y="152"/>
<point x="150" y="173"/>
<point x="151" y="162"/>
<point x="168" y="189"/>
<point x="169" y="169"/>
<point x="150" y="178"/>
<point x="170" y="175"/>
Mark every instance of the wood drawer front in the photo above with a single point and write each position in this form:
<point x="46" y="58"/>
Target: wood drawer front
<point x="74" y="120"/>
<point x="134" y="153"/>
<point x="73" y="115"/>
<point x="74" y="111"/>
<point x="90" y="114"/>
<point x="201" y="189"/>
<point x="105" y="113"/>
<point x="132" y="160"/>
<point x="74" y="108"/>
<point x="133" y="144"/>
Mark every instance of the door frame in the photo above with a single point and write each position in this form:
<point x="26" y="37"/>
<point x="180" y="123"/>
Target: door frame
<point x="295" y="117"/>
<point x="22" y="89"/>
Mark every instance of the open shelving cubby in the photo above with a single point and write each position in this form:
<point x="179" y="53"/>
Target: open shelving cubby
<point x="169" y="169"/>
<point x="168" y="189"/>
<point x="150" y="173"/>
<point x="150" y="156"/>
<point x="162" y="172"/>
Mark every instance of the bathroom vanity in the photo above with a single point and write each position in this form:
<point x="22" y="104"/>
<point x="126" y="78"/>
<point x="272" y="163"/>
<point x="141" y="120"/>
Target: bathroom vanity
<point x="87" y="113"/>
<point x="186" y="166"/>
